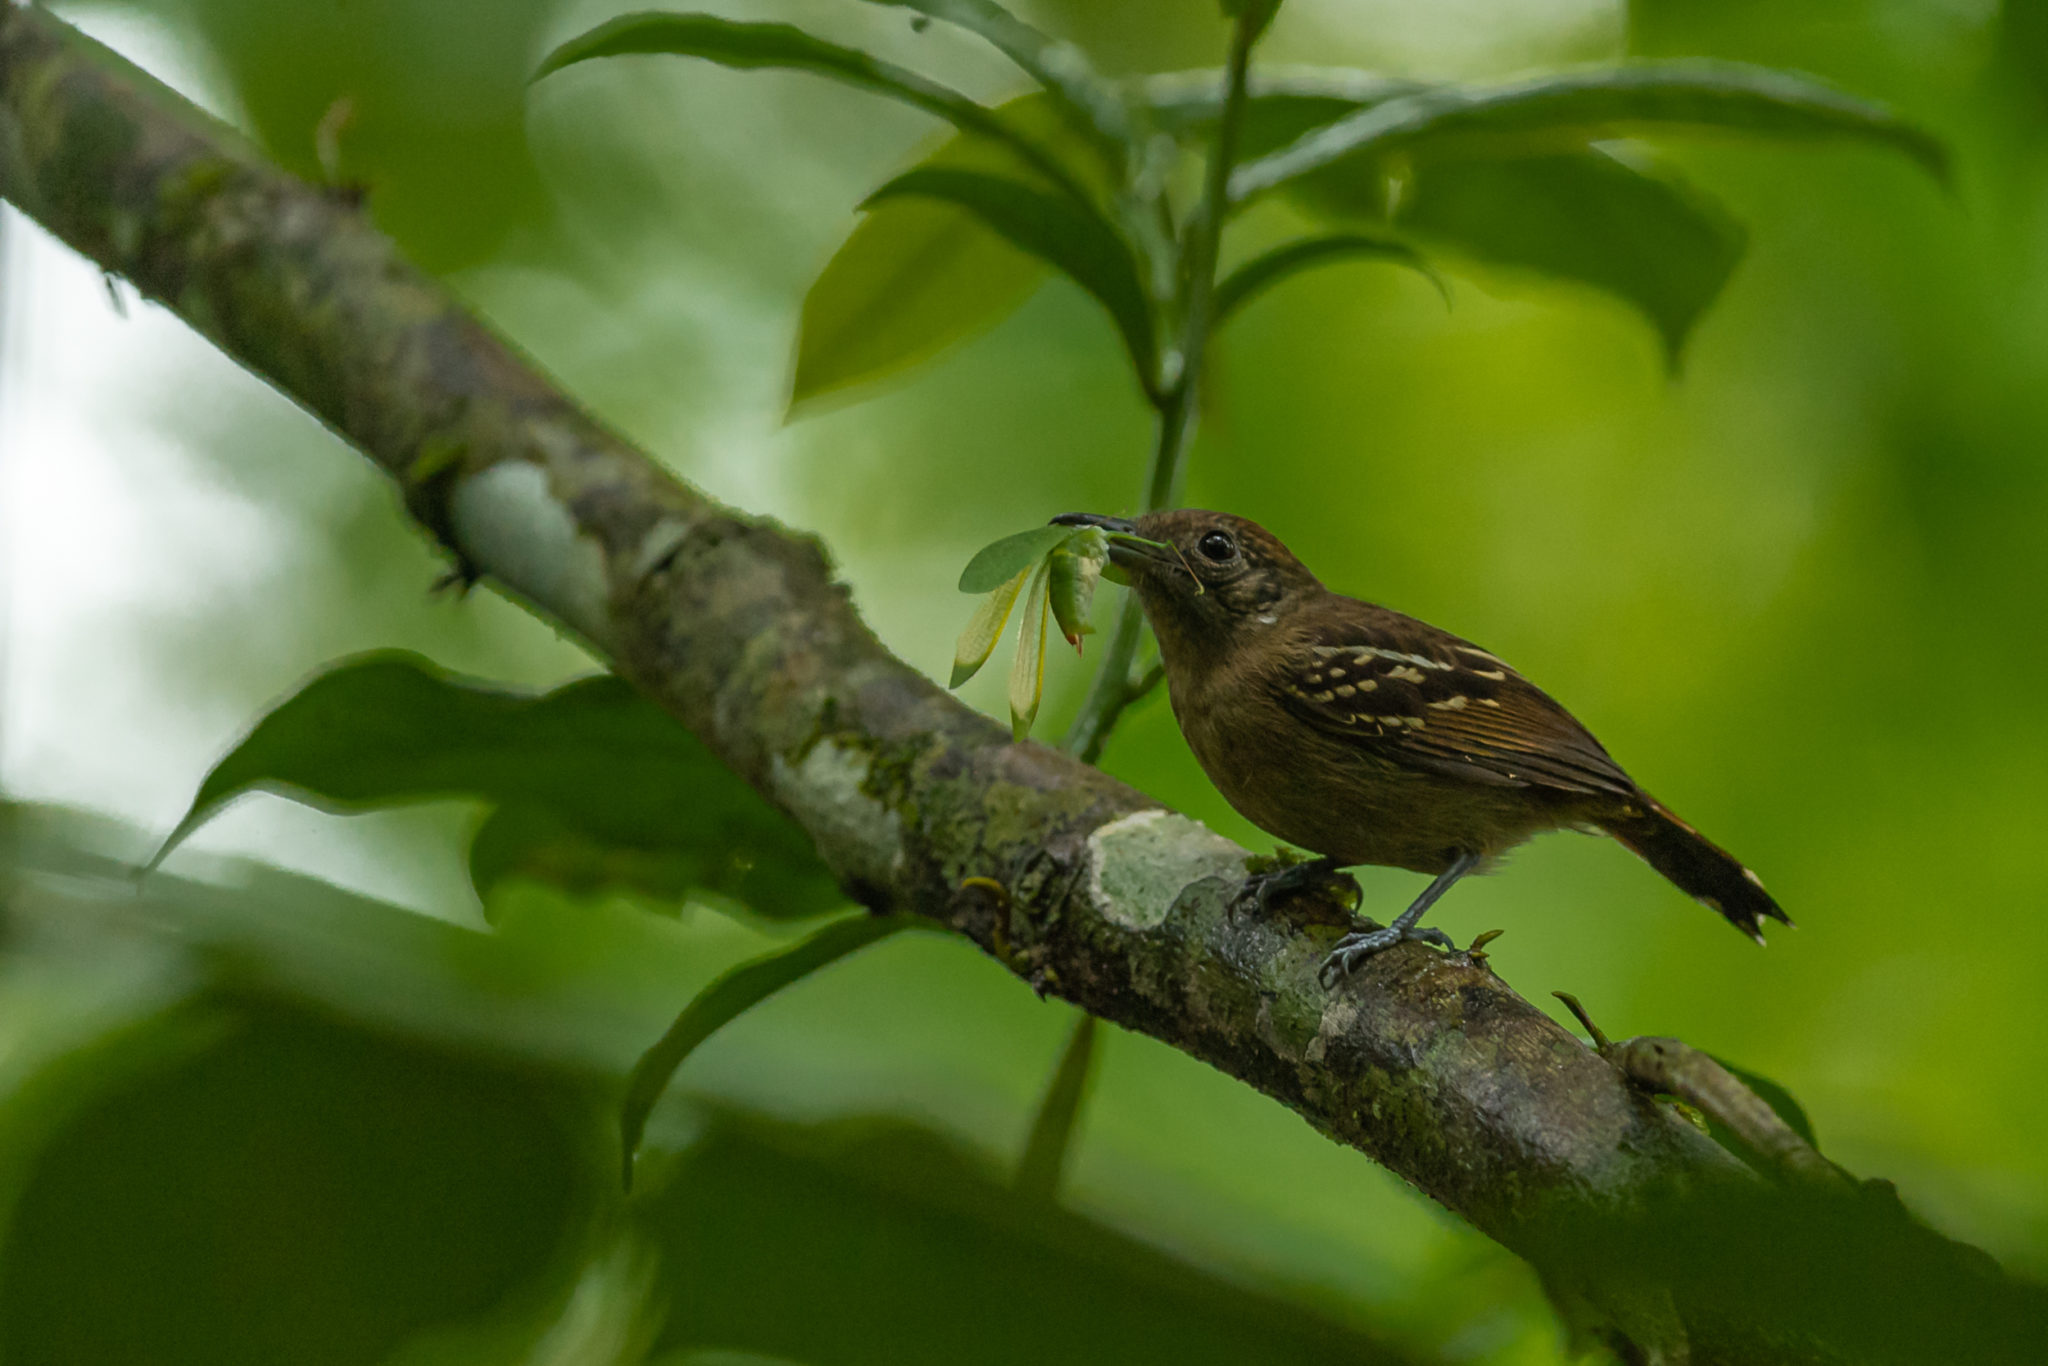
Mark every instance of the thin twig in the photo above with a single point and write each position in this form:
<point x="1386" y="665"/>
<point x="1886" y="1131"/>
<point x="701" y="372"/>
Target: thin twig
<point x="1176" y="399"/>
<point x="1052" y="1131"/>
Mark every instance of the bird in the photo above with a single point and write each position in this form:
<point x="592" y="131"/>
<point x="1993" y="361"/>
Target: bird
<point x="1368" y="737"/>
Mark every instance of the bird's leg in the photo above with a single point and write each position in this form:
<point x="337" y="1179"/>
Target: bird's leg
<point x="1354" y="949"/>
<point x="1323" y="874"/>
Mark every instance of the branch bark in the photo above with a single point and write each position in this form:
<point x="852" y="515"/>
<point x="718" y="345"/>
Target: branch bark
<point x="1424" y="1061"/>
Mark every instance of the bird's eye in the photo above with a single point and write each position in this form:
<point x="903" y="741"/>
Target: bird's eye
<point x="1217" y="546"/>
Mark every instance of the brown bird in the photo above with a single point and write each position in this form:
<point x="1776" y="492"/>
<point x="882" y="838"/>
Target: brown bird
<point x="1370" y="737"/>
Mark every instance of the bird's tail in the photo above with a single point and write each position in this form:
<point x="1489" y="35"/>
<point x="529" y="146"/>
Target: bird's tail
<point x="1697" y="866"/>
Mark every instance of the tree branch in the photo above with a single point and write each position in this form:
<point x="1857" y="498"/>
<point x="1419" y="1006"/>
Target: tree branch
<point x="1424" y="1061"/>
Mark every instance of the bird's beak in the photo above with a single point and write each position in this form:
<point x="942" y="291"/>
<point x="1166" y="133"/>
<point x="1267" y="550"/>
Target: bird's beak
<point x="1122" y="525"/>
<point x="1127" y="549"/>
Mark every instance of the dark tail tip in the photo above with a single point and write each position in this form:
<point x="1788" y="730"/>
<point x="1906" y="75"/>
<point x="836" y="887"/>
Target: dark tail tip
<point x="1698" y="867"/>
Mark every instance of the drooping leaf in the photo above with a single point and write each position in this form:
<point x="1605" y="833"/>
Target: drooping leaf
<point x="751" y="46"/>
<point x="1059" y="1114"/>
<point x="1060" y="67"/>
<point x="755" y="46"/>
<point x="994" y="564"/>
<point x="978" y="641"/>
<point x="917" y="275"/>
<point x="1607" y="102"/>
<point x="913" y="278"/>
<point x="737" y="991"/>
<point x="1052" y="228"/>
<point x="1027" y="672"/>
<point x="1261" y="273"/>
<point x="1649" y="239"/>
<point x="597" y="758"/>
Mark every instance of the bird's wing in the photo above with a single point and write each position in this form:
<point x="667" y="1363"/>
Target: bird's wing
<point x="1411" y="694"/>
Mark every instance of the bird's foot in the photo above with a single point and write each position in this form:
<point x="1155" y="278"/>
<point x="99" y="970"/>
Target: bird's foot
<point x="1321" y="875"/>
<point x="1356" y="947"/>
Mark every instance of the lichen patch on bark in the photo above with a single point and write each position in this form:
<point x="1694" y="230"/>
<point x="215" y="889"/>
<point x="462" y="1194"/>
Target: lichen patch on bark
<point x="828" y="792"/>
<point x="508" y="520"/>
<point x="1139" y="864"/>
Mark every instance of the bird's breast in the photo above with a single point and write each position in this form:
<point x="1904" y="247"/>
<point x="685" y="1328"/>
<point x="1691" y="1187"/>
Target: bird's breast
<point x="1329" y="794"/>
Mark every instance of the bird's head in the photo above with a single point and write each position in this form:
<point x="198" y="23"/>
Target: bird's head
<point x="1204" y="576"/>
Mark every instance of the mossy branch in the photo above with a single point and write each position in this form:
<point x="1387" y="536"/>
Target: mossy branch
<point x="1084" y="888"/>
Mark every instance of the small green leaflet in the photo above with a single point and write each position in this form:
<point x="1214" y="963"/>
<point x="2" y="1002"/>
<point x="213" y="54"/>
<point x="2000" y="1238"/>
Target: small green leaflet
<point x="985" y="628"/>
<point x="1075" y="566"/>
<point x="995" y="564"/>
<point x="1055" y="570"/>
<point x="1027" y="672"/>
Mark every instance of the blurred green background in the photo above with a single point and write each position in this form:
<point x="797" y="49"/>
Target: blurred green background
<point x="1799" y="589"/>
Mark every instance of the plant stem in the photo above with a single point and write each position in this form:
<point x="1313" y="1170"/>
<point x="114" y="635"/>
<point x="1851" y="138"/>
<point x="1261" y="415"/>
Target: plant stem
<point x="1114" y="687"/>
<point x="1059" y="1113"/>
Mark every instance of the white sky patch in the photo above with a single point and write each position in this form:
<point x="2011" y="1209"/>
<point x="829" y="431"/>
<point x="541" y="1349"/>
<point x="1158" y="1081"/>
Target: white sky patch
<point x="152" y="45"/>
<point x="106" y="523"/>
<point x="102" y="524"/>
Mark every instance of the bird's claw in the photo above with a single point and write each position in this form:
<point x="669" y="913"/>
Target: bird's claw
<point x="1355" y="948"/>
<point x="1260" y="890"/>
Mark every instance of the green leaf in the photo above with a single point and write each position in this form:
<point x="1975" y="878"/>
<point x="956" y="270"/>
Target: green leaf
<point x="168" y="1213"/>
<point x="913" y="278"/>
<point x="1059" y="1113"/>
<point x="1261" y="273"/>
<point x="1027" y="672"/>
<point x="1586" y="106"/>
<point x="978" y="641"/>
<point x="868" y="1240"/>
<point x="1060" y="67"/>
<point x="1279" y="108"/>
<point x="917" y="275"/>
<point x="1074" y="567"/>
<point x="734" y="993"/>
<point x="596" y="758"/>
<point x="1650" y="240"/>
<point x="1052" y="228"/>
<point x="781" y="46"/>
<point x="758" y="46"/>
<point x="994" y="564"/>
